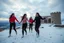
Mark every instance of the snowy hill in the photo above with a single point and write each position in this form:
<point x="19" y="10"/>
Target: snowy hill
<point x="47" y="35"/>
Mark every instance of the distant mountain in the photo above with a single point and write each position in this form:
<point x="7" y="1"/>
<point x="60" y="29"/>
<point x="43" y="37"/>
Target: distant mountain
<point x="6" y="24"/>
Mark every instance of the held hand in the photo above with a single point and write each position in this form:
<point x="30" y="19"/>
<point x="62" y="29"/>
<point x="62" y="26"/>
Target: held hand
<point x="44" y="18"/>
<point x="19" y="22"/>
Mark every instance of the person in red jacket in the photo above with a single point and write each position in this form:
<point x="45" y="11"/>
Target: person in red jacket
<point x="30" y="24"/>
<point x="12" y="20"/>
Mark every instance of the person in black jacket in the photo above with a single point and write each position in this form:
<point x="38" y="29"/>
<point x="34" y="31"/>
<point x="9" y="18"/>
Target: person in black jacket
<point x="37" y="21"/>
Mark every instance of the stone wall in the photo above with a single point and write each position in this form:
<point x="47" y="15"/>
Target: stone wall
<point x="56" y="17"/>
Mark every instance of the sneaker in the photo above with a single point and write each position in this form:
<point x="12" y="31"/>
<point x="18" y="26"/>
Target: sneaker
<point x="22" y="36"/>
<point x="37" y="35"/>
<point x="16" y="33"/>
<point x="26" y="33"/>
<point x="9" y="36"/>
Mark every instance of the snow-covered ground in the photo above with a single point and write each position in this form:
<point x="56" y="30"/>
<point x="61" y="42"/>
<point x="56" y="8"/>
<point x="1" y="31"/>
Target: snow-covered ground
<point x="47" y="35"/>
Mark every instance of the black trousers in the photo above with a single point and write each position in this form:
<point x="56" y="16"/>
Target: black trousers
<point x="24" y="26"/>
<point x="37" y="28"/>
<point x="12" y="25"/>
<point x="30" y="27"/>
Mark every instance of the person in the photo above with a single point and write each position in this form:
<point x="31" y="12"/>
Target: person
<point x="24" y="24"/>
<point x="37" y="21"/>
<point x="12" y="19"/>
<point x="30" y="24"/>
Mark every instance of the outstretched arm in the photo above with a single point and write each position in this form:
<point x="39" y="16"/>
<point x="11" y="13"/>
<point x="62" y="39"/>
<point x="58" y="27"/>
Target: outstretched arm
<point x="16" y="20"/>
<point x="20" y="21"/>
<point x="34" y="19"/>
<point x="42" y="18"/>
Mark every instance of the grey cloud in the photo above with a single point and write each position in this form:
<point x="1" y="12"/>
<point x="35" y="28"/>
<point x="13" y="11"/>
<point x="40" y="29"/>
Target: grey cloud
<point x="58" y="5"/>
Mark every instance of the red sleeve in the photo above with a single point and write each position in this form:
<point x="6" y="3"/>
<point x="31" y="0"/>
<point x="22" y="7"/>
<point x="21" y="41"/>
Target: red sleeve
<point x="16" y="19"/>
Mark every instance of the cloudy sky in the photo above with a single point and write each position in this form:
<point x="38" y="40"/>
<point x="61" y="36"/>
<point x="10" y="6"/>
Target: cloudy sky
<point x="30" y="7"/>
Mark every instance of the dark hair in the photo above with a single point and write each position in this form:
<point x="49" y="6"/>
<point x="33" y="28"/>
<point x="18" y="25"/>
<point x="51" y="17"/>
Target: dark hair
<point x="11" y="15"/>
<point x="38" y="14"/>
<point x="23" y="16"/>
<point x="30" y="18"/>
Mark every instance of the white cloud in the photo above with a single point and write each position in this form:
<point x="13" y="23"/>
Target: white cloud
<point x="4" y="19"/>
<point x="38" y="1"/>
<point x="19" y="7"/>
<point x="50" y="1"/>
